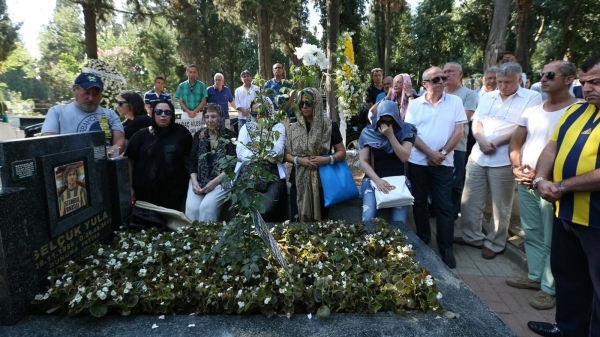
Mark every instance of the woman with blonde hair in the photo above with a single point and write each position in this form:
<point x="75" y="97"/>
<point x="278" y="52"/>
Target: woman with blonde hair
<point x="400" y="92"/>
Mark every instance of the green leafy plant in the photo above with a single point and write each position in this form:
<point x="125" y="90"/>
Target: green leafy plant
<point x="334" y="268"/>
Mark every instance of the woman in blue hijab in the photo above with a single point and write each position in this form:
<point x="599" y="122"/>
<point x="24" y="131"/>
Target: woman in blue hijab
<point x="384" y="148"/>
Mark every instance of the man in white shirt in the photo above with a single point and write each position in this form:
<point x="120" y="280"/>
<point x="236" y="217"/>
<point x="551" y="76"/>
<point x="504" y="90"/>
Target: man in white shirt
<point x="488" y="168"/>
<point x="243" y="96"/>
<point x="537" y="215"/>
<point x="439" y="119"/>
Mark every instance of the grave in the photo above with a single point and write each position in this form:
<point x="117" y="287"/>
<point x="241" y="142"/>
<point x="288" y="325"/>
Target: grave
<point x="60" y="194"/>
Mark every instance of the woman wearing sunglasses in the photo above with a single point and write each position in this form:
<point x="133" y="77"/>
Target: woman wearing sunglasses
<point x="212" y="144"/>
<point x="131" y="106"/>
<point x="308" y="141"/>
<point x="157" y="160"/>
<point x="384" y="148"/>
<point x="261" y="142"/>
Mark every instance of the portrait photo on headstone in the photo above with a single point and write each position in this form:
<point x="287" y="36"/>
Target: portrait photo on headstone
<point x="71" y="187"/>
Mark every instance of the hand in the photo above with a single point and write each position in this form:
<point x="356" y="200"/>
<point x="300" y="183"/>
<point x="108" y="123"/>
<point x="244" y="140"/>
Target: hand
<point x="487" y="147"/>
<point x="386" y="130"/>
<point x="408" y="89"/>
<point x="548" y="191"/>
<point x="244" y="112"/>
<point x="389" y="95"/>
<point x="196" y="187"/>
<point x="383" y="186"/>
<point x="435" y="158"/>
<point x="133" y="197"/>
<point x="191" y="114"/>
<point x="306" y="162"/>
<point x="524" y="175"/>
<point x="319" y="160"/>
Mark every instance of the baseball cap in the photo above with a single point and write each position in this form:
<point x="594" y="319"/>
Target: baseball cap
<point x="88" y="80"/>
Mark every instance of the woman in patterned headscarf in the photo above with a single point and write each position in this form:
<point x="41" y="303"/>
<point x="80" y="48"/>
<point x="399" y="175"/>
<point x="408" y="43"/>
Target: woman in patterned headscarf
<point x="400" y="92"/>
<point x="308" y="141"/>
<point x="206" y="195"/>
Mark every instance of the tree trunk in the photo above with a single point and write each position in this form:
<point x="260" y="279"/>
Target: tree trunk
<point x="495" y="42"/>
<point x="333" y="27"/>
<point x="388" y="31"/>
<point x="89" y="19"/>
<point x="522" y="52"/>
<point x="567" y="31"/>
<point x="379" y="32"/>
<point x="264" y="43"/>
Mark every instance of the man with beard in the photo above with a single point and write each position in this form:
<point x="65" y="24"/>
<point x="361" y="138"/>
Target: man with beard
<point x="85" y="114"/>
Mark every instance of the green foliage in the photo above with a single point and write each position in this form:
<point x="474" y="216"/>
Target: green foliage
<point x="8" y="33"/>
<point x="334" y="267"/>
<point x="19" y="75"/>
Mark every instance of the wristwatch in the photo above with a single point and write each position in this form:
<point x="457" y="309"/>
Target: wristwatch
<point x="537" y="180"/>
<point x="443" y="152"/>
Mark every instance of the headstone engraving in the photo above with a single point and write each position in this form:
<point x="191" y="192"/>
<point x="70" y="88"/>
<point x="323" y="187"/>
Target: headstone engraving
<point x="22" y="169"/>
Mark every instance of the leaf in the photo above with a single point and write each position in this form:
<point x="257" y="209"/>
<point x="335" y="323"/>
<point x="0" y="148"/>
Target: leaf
<point x="132" y="301"/>
<point x="375" y="307"/>
<point x="98" y="309"/>
<point x="324" y="312"/>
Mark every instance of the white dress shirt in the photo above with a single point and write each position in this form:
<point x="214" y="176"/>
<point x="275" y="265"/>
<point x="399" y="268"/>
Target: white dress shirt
<point x="243" y="97"/>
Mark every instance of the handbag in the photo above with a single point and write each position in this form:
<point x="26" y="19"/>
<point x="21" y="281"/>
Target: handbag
<point x="400" y="194"/>
<point x="337" y="182"/>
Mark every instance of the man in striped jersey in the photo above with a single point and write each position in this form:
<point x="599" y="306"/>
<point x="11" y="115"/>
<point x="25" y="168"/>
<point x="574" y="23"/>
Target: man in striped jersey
<point x="75" y="196"/>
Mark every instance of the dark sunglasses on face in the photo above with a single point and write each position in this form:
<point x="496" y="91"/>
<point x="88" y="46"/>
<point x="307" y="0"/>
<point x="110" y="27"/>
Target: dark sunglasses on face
<point x="549" y="75"/>
<point x="437" y="80"/>
<point x="305" y="104"/>
<point x="120" y="103"/>
<point x="159" y="112"/>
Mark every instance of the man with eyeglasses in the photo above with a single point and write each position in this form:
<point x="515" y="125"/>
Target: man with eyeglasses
<point x="85" y="114"/>
<point x="568" y="175"/>
<point x="273" y="88"/>
<point x="453" y="71"/>
<point x="220" y="94"/>
<point x="488" y="82"/>
<point x="533" y="133"/>
<point x="439" y="119"/>
<point x="488" y="167"/>
<point x="192" y="94"/>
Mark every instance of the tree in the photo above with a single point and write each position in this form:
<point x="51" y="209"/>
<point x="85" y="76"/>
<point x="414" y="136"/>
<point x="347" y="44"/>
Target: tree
<point x="93" y="11"/>
<point x="19" y="75"/>
<point x="8" y="33"/>
<point x="434" y="29"/>
<point x="333" y="25"/>
<point x="522" y="51"/>
<point x="497" y="35"/>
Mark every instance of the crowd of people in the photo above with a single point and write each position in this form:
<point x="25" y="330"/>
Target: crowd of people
<point x="455" y="145"/>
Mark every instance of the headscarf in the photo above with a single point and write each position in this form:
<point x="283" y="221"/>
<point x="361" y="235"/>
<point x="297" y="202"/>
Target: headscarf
<point x="160" y="132"/>
<point x="404" y="96"/>
<point x="206" y="173"/>
<point x="371" y="135"/>
<point x="315" y="142"/>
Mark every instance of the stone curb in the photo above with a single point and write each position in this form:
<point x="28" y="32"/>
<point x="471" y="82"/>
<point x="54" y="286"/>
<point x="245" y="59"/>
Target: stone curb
<point x="516" y="256"/>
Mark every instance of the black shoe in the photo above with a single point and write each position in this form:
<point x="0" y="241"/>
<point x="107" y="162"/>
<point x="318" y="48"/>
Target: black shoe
<point x="544" y="329"/>
<point x="448" y="259"/>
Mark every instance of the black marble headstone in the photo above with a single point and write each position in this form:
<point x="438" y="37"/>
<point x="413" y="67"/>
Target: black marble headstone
<point x="60" y="195"/>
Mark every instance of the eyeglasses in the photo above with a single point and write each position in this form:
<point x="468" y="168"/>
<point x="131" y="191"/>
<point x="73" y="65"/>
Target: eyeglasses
<point x="437" y="80"/>
<point x="549" y="75"/>
<point x="305" y="104"/>
<point x="159" y="112"/>
<point x="120" y="103"/>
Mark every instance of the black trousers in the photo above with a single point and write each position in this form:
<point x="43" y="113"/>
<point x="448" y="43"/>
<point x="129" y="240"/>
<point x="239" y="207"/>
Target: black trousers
<point x="438" y="181"/>
<point x="575" y="263"/>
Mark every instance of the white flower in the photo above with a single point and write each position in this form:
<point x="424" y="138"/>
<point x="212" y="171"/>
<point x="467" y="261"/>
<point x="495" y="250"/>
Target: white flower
<point x="58" y="282"/>
<point x="198" y="271"/>
<point x="89" y="296"/>
<point x="267" y="300"/>
<point x="429" y="280"/>
<point x="239" y="293"/>
<point x="241" y="304"/>
<point x="439" y="296"/>
<point x="100" y="251"/>
<point x="101" y="294"/>
<point x="39" y="297"/>
<point x="161" y="317"/>
<point x="77" y="298"/>
<point x="142" y="272"/>
<point x="112" y="293"/>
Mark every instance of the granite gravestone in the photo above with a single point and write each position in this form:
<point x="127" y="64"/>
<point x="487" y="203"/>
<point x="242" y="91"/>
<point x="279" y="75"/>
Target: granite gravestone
<point x="60" y="194"/>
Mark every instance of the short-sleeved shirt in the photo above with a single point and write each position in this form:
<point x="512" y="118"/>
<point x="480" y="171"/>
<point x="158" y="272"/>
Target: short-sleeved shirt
<point x="469" y="99"/>
<point x="577" y="137"/>
<point x="276" y="86"/>
<point x="152" y="97"/>
<point x="191" y="95"/>
<point x="500" y="118"/>
<point x="221" y="97"/>
<point x="373" y="92"/>
<point x="65" y="119"/>
<point x="540" y="125"/>
<point x="244" y="96"/>
<point x="435" y="125"/>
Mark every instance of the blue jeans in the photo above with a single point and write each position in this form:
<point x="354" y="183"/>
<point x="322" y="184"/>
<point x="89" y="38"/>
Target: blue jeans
<point x="369" y="211"/>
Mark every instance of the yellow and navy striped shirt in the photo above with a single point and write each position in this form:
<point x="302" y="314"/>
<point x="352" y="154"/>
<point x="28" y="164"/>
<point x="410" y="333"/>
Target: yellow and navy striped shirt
<point x="577" y="138"/>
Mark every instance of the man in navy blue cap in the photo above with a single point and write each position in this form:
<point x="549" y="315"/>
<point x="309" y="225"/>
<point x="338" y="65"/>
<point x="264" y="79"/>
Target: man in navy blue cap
<point x="85" y="114"/>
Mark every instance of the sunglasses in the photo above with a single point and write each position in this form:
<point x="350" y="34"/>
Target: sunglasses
<point x="305" y="104"/>
<point x="120" y="103"/>
<point x="159" y="112"/>
<point x="437" y="80"/>
<point x="549" y="75"/>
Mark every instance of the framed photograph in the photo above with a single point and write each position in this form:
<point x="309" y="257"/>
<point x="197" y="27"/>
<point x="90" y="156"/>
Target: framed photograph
<point x="71" y="188"/>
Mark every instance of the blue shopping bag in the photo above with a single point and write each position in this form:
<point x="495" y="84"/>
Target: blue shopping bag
<point x="338" y="183"/>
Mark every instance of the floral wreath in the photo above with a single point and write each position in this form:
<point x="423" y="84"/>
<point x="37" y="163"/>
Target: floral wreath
<point x="350" y="86"/>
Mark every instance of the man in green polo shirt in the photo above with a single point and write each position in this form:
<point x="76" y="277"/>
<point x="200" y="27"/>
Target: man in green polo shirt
<point x="191" y="94"/>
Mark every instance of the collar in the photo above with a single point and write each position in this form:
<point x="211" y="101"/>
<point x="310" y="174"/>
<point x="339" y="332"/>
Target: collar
<point x="443" y="98"/>
<point x="520" y="92"/>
